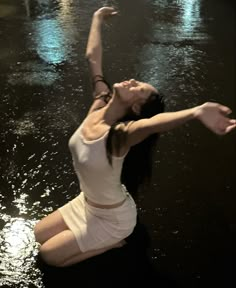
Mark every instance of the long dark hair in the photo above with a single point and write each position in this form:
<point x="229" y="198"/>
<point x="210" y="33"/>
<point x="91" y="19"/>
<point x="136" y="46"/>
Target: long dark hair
<point x="137" y="166"/>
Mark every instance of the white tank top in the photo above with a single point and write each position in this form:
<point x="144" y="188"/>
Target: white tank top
<point x="99" y="181"/>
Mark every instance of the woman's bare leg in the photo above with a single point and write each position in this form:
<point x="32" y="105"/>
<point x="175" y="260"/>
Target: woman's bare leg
<point x="49" y="226"/>
<point x="63" y="250"/>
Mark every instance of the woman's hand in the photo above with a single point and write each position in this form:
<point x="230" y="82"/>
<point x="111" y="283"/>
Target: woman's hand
<point x="215" y="117"/>
<point x="105" y="12"/>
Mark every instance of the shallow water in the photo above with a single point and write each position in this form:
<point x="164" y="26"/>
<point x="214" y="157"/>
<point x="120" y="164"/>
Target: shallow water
<point x="179" y="46"/>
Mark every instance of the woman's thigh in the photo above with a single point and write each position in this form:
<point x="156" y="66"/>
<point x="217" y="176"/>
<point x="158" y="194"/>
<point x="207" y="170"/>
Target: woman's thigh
<point x="63" y="250"/>
<point x="49" y="226"/>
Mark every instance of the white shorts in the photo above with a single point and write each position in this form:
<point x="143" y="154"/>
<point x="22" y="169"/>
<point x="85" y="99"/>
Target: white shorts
<point x="96" y="228"/>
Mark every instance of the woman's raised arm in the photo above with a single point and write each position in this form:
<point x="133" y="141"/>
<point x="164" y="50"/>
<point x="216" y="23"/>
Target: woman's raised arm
<point x="94" y="50"/>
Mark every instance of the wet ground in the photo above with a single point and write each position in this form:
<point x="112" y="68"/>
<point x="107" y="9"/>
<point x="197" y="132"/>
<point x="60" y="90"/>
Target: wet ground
<point x="186" y="48"/>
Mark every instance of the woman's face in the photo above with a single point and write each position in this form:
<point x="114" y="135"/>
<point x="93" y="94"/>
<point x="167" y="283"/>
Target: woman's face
<point x="133" y="92"/>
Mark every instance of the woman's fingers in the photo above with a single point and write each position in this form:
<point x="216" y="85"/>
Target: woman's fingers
<point x="230" y="128"/>
<point x="225" y="126"/>
<point x="231" y="125"/>
<point x="232" y="121"/>
<point x="215" y="117"/>
<point x="107" y="11"/>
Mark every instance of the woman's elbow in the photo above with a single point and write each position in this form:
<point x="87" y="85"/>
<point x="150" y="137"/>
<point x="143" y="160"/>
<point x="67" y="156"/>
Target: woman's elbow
<point x="90" y="58"/>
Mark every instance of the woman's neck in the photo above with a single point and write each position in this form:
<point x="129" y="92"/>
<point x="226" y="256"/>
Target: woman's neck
<point x="113" y="111"/>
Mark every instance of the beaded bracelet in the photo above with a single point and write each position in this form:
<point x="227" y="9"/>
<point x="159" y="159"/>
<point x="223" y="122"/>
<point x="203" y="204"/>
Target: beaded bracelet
<point x="102" y="79"/>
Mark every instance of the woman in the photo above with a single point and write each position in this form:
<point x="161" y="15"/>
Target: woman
<point x="121" y="127"/>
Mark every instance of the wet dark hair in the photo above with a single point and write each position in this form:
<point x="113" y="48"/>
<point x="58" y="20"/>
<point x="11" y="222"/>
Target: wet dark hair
<point x="137" y="166"/>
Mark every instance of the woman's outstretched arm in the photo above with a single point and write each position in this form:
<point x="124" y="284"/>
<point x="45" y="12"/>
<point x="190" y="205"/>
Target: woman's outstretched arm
<point x="212" y="115"/>
<point x="94" y="54"/>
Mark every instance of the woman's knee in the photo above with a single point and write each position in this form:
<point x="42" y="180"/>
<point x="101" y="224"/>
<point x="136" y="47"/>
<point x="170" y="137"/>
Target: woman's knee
<point x="40" y="233"/>
<point x="49" y="257"/>
<point x="37" y="233"/>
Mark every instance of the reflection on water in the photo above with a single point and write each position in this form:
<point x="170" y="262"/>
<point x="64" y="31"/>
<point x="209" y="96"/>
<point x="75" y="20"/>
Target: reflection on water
<point x="173" y="61"/>
<point x="66" y="9"/>
<point x="16" y="238"/>
<point x="32" y="73"/>
<point x="18" y="250"/>
<point x="52" y="32"/>
<point x="190" y="16"/>
<point x="185" y="26"/>
<point x="50" y="41"/>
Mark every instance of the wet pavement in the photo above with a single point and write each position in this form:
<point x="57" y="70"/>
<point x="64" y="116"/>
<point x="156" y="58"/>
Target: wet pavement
<point x="186" y="48"/>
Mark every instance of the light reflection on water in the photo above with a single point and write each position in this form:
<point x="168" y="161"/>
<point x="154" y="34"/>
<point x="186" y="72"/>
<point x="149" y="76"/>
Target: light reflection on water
<point x="50" y="41"/>
<point x="52" y="33"/>
<point x="173" y="59"/>
<point x="185" y="25"/>
<point x="31" y="73"/>
<point x="18" y="250"/>
<point x="191" y="19"/>
<point x="66" y="10"/>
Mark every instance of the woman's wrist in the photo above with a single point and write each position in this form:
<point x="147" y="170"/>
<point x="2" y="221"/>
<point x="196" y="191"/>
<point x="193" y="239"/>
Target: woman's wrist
<point x="197" y="111"/>
<point x="104" y="13"/>
<point x="98" y="16"/>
